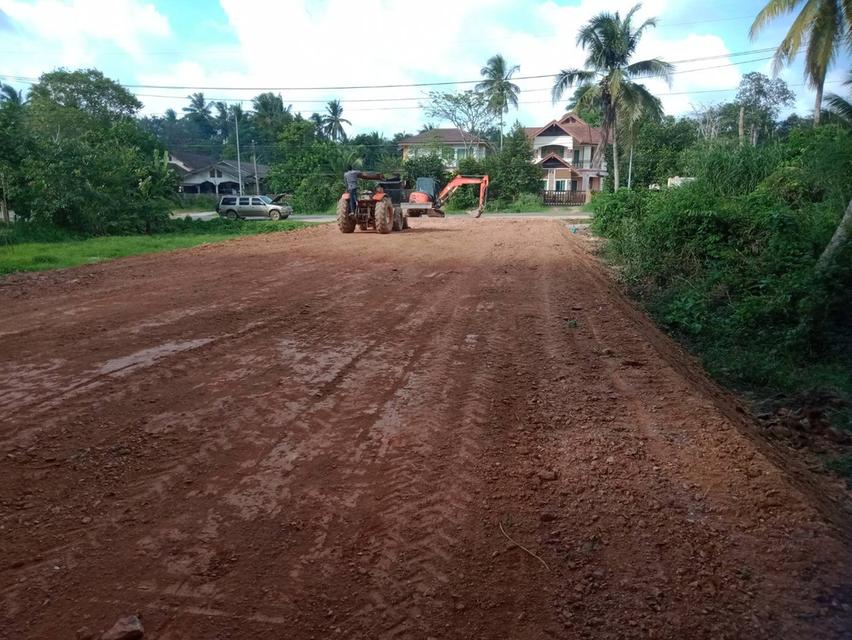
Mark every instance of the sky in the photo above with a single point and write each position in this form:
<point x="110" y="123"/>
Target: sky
<point x="244" y="46"/>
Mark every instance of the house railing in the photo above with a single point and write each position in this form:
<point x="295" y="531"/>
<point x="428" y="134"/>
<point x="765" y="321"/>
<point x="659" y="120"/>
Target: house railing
<point x="562" y="198"/>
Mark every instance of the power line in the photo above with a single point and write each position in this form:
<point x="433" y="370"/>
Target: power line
<point x="25" y="79"/>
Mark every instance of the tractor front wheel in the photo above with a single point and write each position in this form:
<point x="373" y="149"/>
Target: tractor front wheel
<point x="345" y="222"/>
<point x="398" y="219"/>
<point x="384" y="216"/>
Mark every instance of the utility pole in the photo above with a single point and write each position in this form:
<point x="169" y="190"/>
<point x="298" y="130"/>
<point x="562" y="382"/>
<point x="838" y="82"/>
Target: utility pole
<point x="239" y="166"/>
<point x="254" y="161"/>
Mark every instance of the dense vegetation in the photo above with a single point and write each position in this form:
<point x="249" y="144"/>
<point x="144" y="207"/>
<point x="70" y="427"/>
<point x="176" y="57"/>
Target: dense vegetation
<point x="728" y="262"/>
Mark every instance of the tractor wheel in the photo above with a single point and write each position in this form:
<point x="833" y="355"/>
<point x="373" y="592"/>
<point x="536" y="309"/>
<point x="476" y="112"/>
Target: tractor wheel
<point x="384" y="216"/>
<point x="398" y="220"/>
<point x="345" y="222"/>
<point x="363" y="226"/>
<point x="405" y="222"/>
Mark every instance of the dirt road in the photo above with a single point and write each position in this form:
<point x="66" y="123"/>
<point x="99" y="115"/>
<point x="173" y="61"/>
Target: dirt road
<point x="324" y="436"/>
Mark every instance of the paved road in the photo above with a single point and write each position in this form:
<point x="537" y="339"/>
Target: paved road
<point x="318" y="435"/>
<point x="542" y="215"/>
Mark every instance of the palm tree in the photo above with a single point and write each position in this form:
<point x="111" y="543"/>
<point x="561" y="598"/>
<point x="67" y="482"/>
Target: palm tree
<point x="498" y="87"/>
<point x="826" y="25"/>
<point x="269" y="111"/>
<point x="609" y="77"/>
<point x="198" y="112"/>
<point x="319" y="125"/>
<point x="10" y="96"/>
<point x="840" y="107"/>
<point x="198" y="107"/>
<point x="333" y="121"/>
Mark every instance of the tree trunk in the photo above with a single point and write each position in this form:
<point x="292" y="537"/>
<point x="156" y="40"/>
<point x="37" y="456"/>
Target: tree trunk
<point x="615" y="170"/>
<point x="742" y="126"/>
<point x="501" y="130"/>
<point x="818" y="105"/>
<point x="606" y="124"/>
<point x="840" y="238"/>
<point x="4" y="203"/>
<point x="630" y="170"/>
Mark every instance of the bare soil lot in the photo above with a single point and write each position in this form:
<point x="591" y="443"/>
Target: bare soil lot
<point x="313" y="435"/>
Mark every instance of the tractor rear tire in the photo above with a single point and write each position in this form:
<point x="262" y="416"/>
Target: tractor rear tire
<point x="345" y="222"/>
<point x="384" y="216"/>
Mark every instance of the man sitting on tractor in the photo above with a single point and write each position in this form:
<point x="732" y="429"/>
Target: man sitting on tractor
<point x="351" y="179"/>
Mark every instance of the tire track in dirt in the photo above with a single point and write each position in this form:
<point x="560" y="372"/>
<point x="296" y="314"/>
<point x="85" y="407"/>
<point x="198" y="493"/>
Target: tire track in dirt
<point x="343" y="469"/>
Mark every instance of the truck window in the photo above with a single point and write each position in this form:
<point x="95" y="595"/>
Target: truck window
<point x="244" y="202"/>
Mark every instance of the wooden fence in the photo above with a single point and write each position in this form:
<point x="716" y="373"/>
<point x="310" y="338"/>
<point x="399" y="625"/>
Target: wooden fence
<point x="563" y="198"/>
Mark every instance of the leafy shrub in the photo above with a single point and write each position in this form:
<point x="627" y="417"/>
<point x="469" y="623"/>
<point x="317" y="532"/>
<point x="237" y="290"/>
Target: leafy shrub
<point x="727" y="262"/>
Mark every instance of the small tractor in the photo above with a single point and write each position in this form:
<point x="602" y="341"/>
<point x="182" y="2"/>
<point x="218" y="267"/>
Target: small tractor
<point x="379" y="209"/>
<point x="425" y="199"/>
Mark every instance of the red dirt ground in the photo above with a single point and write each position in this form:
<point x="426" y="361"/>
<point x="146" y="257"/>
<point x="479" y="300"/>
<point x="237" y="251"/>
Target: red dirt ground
<point x="321" y="436"/>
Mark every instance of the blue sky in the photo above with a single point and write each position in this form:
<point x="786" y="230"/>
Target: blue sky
<point x="295" y="43"/>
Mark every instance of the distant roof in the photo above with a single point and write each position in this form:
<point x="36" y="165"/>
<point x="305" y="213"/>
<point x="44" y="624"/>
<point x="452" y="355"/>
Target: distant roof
<point x="441" y="136"/>
<point x="573" y="125"/>
<point x="194" y="161"/>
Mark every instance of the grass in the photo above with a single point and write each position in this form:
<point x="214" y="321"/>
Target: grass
<point x="61" y="252"/>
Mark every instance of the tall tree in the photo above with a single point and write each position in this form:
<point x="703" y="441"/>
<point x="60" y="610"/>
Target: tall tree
<point x="498" y="87"/>
<point x="199" y="114"/>
<point x="468" y="111"/>
<point x="822" y="28"/>
<point x="609" y="75"/>
<point x="634" y="109"/>
<point x="760" y="99"/>
<point x="333" y="121"/>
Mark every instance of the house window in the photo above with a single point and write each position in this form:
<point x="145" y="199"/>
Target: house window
<point x="574" y="185"/>
<point x="577" y="157"/>
<point x="552" y="148"/>
<point x="215" y="173"/>
<point x="561" y="185"/>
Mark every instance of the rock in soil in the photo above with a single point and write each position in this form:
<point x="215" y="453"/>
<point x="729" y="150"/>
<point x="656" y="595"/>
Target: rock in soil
<point x="127" y="628"/>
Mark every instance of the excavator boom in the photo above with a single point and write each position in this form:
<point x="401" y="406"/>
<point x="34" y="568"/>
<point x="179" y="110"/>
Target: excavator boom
<point x="457" y="182"/>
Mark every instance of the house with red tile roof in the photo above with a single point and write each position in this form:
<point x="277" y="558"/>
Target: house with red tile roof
<point x="564" y="149"/>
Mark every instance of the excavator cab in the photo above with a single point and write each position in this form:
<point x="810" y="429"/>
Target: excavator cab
<point x="426" y="200"/>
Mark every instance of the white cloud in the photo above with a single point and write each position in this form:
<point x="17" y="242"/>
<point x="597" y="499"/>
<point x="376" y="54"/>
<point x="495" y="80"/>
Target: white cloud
<point x="51" y="33"/>
<point x="333" y="42"/>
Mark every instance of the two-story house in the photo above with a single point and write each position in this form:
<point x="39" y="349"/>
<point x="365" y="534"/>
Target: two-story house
<point x="447" y="143"/>
<point x="564" y="149"/>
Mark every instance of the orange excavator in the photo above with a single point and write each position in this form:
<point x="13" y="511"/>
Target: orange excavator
<point x="425" y="200"/>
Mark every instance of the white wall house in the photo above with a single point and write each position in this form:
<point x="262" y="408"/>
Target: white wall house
<point x="448" y="143"/>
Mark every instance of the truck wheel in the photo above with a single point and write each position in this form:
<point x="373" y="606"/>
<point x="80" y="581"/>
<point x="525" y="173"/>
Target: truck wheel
<point x="274" y="215"/>
<point x="384" y="216"/>
<point x="398" y="224"/>
<point x="344" y="221"/>
<point x="231" y="215"/>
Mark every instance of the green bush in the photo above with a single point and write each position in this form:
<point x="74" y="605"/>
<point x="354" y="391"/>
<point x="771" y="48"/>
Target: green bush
<point x="727" y="262"/>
